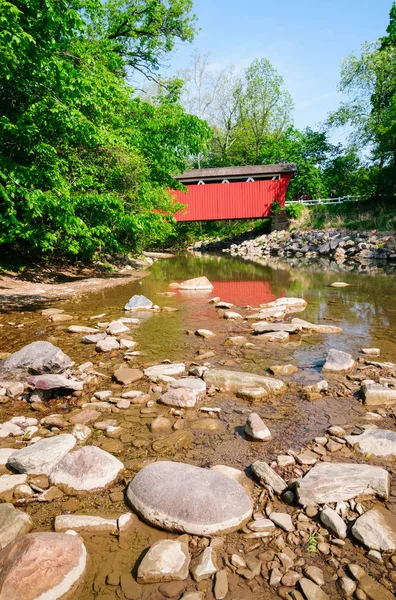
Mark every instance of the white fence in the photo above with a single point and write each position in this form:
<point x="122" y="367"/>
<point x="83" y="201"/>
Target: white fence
<point x="340" y="200"/>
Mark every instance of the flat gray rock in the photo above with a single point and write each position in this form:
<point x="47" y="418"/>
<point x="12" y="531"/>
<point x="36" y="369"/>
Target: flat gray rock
<point x="233" y="381"/>
<point x="38" y="357"/>
<point x="256" y="429"/>
<point x="52" y="382"/>
<point x="94" y="338"/>
<point x="333" y="522"/>
<point x="166" y="560"/>
<point x="117" y="327"/>
<point x="376" y="529"/>
<point x="338" y="361"/>
<point x="269" y="477"/>
<point x="265" y="327"/>
<point x="317" y="328"/>
<point x="376" y="442"/>
<point x="195" y="384"/>
<point x="13" y="523"/>
<point x="334" y="482"/>
<point x="138" y="303"/>
<point x="181" y="497"/>
<point x="165" y="369"/>
<point x="86" y="470"/>
<point x="40" y="458"/>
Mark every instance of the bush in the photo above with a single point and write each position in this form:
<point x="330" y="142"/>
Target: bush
<point x="294" y="211"/>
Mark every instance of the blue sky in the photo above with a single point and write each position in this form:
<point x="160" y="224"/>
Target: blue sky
<point x="305" y="41"/>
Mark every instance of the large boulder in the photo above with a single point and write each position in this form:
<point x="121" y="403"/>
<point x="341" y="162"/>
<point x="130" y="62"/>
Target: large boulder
<point x="13" y="523"/>
<point x="335" y="482"/>
<point x="138" y="303"/>
<point x="88" y="469"/>
<point x="180" y="497"/>
<point x="199" y="283"/>
<point x="40" y="458"/>
<point x="376" y="529"/>
<point x="37" y="357"/>
<point x="232" y="381"/>
<point x="376" y="442"/>
<point x="166" y="560"/>
<point x="338" y="361"/>
<point x="42" y="565"/>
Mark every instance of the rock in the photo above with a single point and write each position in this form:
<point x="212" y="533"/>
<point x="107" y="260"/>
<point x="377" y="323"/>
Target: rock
<point x="334" y="482"/>
<point x="374" y="394"/>
<point x="5" y="453"/>
<point x="338" y="362"/>
<point x="87" y="469"/>
<point x="125" y="375"/>
<point x="82" y="329"/>
<point x="88" y="523"/>
<point x="198" y="283"/>
<point x="161" y="424"/>
<point x="81" y="432"/>
<point x="84" y="417"/>
<point x="375" y="556"/>
<point x="356" y="571"/>
<point x="180" y="397"/>
<point x="374" y="590"/>
<point x="282" y="520"/>
<point x="315" y="574"/>
<point x="39" y="357"/>
<point x="252" y="393"/>
<point x="256" y="428"/>
<point x="236" y="340"/>
<point x="375" y="442"/>
<point x="50" y="382"/>
<point x="13" y="523"/>
<point x="268" y="476"/>
<point x="333" y="522"/>
<point x="181" y="497"/>
<point x="207" y="424"/>
<point x="262" y="525"/>
<point x="10" y="429"/>
<point x="232" y="381"/>
<point x="9" y="482"/>
<point x="107" y="345"/>
<point x="347" y="586"/>
<point x="193" y="596"/>
<point x="166" y="369"/>
<point x="232" y="316"/>
<point x="93" y="338"/>
<point x="138" y="303"/>
<point x="61" y="318"/>
<point x="116" y="328"/>
<point x="339" y="284"/>
<point x="175" y="441"/>
<point x="283" y="370"/>
<point x="376" y="529"/>
<point x="288" y="304"/>
<point x="195" y="385"/>
<point x="276" y="336"/>
<point x="371" y="351"/>
<point x="221" y="585"/>
<point x="172" y="588"/>
<point x="205" y="565"/>
<point x="290" y="578"/>
<point x="317" y="328"/>
<point x="103" y="395"/>
<point x="275" y="577"/>
<point x="234" y="474"/>
<point x="42" y="565"/>
<point x="14" y="389"/>
<point x="316" y="387"/>
<point x="126" y="344"/>
<point x="205" y="333"/>
<point x="40" y="458"/>
<point x="166" y="560"/>
<point x="265" y="327"/>
<point x="307" y="458"/>
<point x="312" y="591"/>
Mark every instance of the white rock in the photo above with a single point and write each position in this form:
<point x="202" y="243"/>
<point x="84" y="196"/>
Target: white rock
<point x="198" y="283"/>
<point x="9" y="482"/>
<point x="256" y="428"/>
<point x="282" y="520"/>
<point x="116" y="327"/>
<point x="138" y="303"/>
<point x="232" y="381"/>
<point x="42" y="457"/>
<point x="107" y="345"/>
<point x="5" y="453"/>
<point x="205" y="565"/>
<point x="268" y="476"/>
<point x="13" y="523"/>
<point x="166" y="560"/>
<point x="167" y="369"/>
<point x="333" y="522"/>
<point x="338" y="362"/>
<point x="376" y="529"/>
<point x="81" y="432"/>
<point x="205" y="333"/>
<point x="232" y="316"/>
<point x="195" y="385"/>
<point x="374" y="394"/>
<point x="82" y="329"/>
<point x="375" y="442"/>
<point x="88" y="523"/>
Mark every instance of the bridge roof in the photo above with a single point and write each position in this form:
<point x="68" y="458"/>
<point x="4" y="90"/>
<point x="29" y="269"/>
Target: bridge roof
<point x="248" y="171"/>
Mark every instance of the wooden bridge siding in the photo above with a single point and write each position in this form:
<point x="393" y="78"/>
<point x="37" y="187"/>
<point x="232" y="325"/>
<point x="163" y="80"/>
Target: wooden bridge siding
<point x="219" y="201"/>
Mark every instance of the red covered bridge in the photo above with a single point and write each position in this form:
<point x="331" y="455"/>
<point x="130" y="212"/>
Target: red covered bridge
<point x="232" y="192"/>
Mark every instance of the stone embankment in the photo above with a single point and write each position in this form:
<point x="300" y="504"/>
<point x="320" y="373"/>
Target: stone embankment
<point x="339" y="245"/>
<point x="312" y="523"/>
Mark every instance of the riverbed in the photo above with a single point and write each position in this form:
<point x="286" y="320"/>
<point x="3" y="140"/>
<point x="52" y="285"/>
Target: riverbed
<point x="365" y="310"/>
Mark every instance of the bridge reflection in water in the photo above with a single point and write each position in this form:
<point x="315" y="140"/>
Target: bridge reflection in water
<point x="243" y="293"/>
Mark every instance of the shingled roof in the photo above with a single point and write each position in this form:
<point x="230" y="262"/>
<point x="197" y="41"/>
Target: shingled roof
<point x="248" y="171"/>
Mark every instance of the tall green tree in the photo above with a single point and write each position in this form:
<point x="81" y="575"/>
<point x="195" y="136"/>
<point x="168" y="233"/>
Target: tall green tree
<point x="84" y="163"/>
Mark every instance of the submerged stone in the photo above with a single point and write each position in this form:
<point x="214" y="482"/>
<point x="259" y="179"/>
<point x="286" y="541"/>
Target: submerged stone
<point x="181" y="497"/>
<point x="232" y="381"/>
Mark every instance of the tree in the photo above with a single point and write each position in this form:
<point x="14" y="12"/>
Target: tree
<point x="85" y="165"/>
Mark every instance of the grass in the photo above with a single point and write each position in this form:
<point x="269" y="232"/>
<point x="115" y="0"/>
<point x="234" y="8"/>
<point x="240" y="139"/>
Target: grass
<point x="359" y="216"/>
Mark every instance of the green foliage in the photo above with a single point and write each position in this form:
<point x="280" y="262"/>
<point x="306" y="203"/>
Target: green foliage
<point x="275" y="207"/>
<point x="85" y="164"/>
<point x="294" y="211"/>
<point x="359" y="216"/>
<point x="312" y="543"/>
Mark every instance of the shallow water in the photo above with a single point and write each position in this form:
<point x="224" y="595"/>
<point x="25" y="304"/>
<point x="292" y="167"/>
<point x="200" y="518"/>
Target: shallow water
<point x="366" y="311"/>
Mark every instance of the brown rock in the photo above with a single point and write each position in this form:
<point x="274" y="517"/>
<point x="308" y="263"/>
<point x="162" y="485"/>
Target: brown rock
<point x="172" y="589"/>
<point x="374" y="590"/>
<point x="176" y="440"/>
<point x="130" y="588"/>
<point x="84" y="417"/>
<point x="126" y="375"/>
